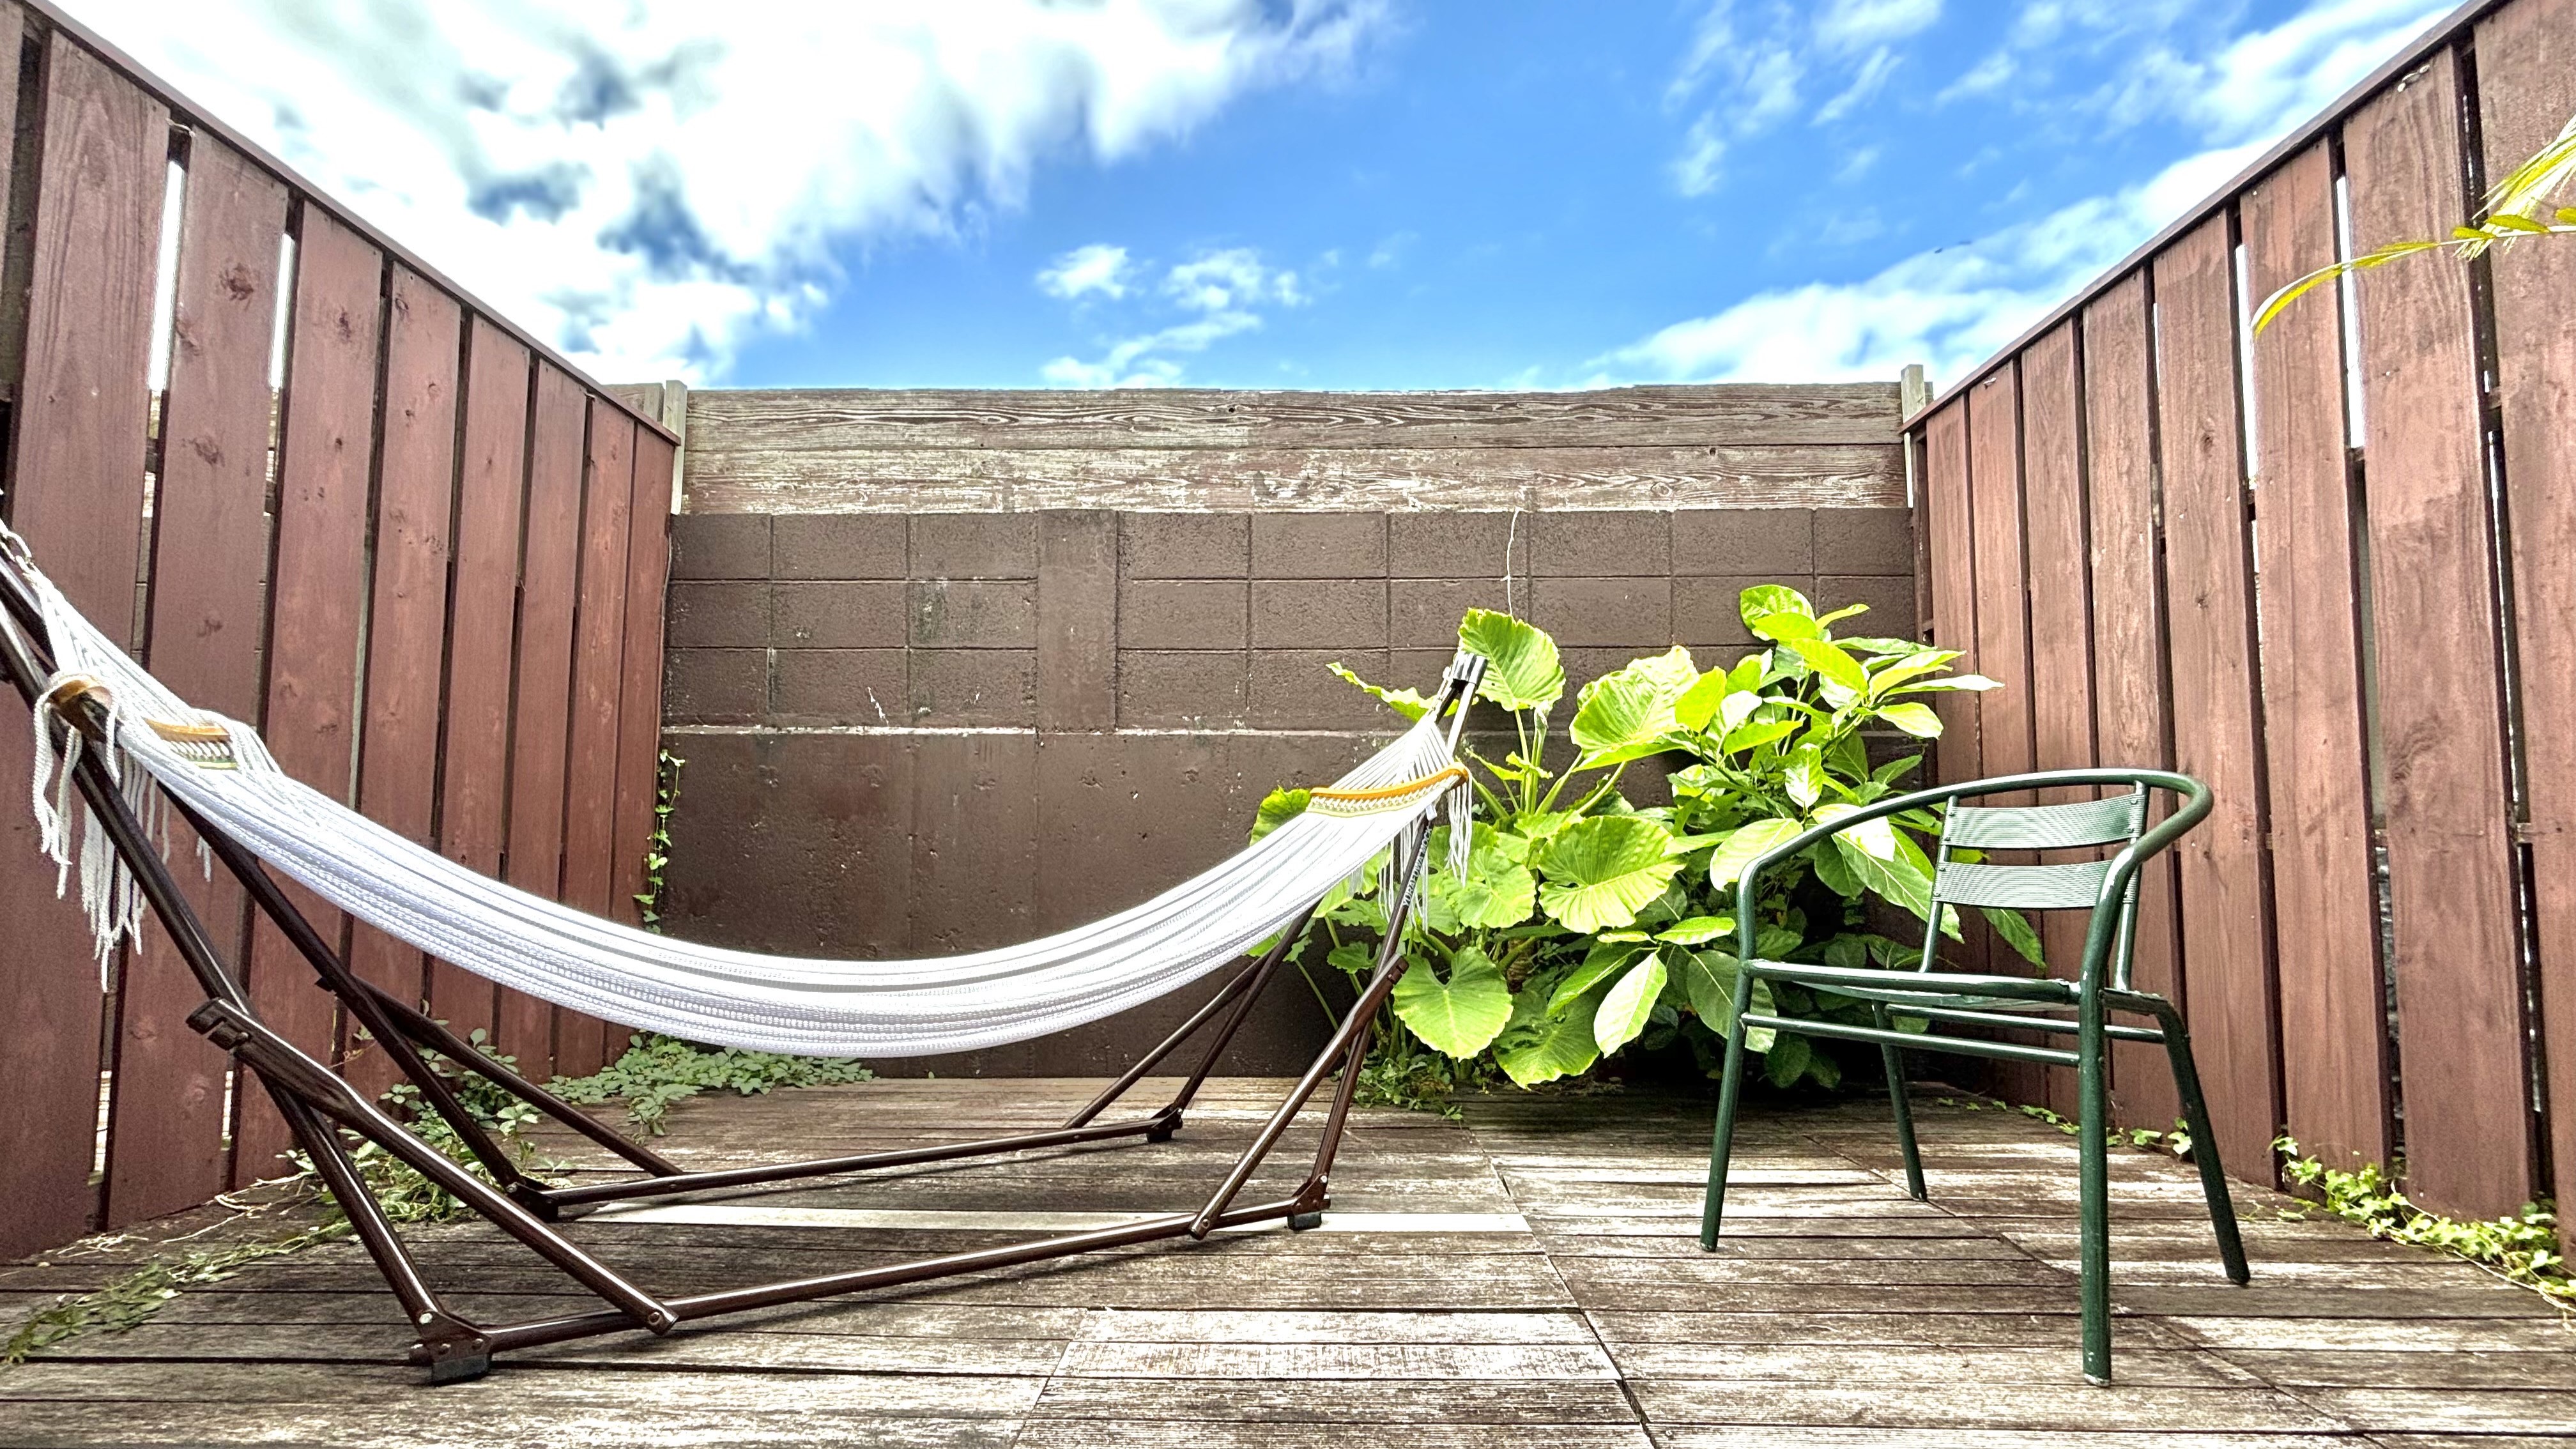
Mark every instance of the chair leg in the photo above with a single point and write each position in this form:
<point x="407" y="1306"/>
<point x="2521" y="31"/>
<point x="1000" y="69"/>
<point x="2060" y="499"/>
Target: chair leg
<point x="1896" y="1097"/>
<point x="2093" y="1141"/>
<point x="1730" y="1087"/>
<point x="2204" y="1145"/>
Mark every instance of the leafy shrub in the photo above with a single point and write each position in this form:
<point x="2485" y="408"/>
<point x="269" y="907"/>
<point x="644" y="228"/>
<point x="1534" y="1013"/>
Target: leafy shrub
<point x="1584" y="923"/>
<point x="656" y="1071"/>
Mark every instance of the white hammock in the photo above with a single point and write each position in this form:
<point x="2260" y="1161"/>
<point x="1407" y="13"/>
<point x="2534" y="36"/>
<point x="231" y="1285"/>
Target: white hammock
<point x="218" y="767"/>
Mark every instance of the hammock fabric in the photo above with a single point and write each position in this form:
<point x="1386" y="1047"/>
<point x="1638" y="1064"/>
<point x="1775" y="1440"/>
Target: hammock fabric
<point x="218" y="769"/>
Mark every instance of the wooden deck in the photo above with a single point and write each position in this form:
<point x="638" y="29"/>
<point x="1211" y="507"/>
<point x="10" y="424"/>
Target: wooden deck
<point x="1526" y="1276"/>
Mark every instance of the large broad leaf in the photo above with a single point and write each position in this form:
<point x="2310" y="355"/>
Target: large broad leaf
<point x="1787" y="1060"/>
<point x="1746" y="843"/>
<point x="1631" y="1003"/>
<point x="1891" y="877"/>
<point x="1951" y="681"/>
<point x="1458" y="1017"/>
<point x="1917" y="720"/>
<point x="1763" y="600"/>
<point x="1600" y="872"/>
<point x="1626" y="714"/>
<point x="1603" y="961"/>
<point x="1759" y="733"/>
<point x="1403" y="701"/>
<point x="1827" y="658"/>
<point x="1499" y="890"/>
<point x="1521" y="667"/>
<point x="1541" y="1045"/>
<point x="1708" y="980"/>
<point x="1698" y="704"/>
<point x="2015" y="928"/>
<point x="1277" y="809"/>
<point x="1697" y="929"/>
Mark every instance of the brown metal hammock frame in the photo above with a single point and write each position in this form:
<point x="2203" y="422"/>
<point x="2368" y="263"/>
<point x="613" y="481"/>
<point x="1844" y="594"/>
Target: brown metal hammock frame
<point x="319" y="1104"/>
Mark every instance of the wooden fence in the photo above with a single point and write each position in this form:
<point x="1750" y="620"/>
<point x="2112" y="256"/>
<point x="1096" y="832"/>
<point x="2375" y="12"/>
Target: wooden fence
<point x="406" y="539"/>
<point x="2327" y="570"/>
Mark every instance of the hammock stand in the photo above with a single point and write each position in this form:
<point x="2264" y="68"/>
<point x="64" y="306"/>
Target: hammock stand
<point x="314" y="1099"/>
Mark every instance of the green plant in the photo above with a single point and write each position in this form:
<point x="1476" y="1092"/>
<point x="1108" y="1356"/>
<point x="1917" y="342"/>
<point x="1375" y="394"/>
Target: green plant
<point x="2515" y="207"/>
<point x="1583" y="923"/>
<point x="657" y="846"/>
<point x="2520" y="1248"/>
<point x="656" y="1071"/>
<point x="132" y="1298"/>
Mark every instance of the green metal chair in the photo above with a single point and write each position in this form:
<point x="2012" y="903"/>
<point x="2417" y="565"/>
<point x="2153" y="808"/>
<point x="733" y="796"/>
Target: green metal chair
<point x="2108" y="888"/>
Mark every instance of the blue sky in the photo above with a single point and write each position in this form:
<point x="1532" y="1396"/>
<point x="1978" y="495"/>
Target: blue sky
<point x="1271" y="193"/>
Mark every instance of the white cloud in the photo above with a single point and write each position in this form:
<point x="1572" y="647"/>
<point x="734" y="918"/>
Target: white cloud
<point x="1220" y="294"/>
<point x="1952" y="307"/>
<point x="1085" y="270"/>
<point x="1873" y="74"/>
<point x="650" y="184"/>
<point x="1858" y="25"/>
<point x="1702" y="163"/>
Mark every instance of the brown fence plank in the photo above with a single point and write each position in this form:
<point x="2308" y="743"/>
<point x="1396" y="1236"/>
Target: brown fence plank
<point x="317" y="597"/>
<point x="2226" y="923"/>
<point x="2132" y="722"/>
<point x="2003" y="647"/>
<point x="599" y="645"/>
<point x="2450" y="839"/>
<point x="2333" y="1018"/>
<point x="639" y="710"/>
<point x="474" y="752"/>
<point x="550" y="573"/>
<point x="1950" y="542"/>
<point x="2526" y="83"/>
<point x="77" y="495"/>
<point x="407" y="619"/>
<point x="2061" y="642"/>
<point x="209" y="599"/>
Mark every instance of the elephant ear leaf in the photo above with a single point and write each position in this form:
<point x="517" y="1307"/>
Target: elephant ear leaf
<point x="1522" y="671"/>
<point x="1744" y="845"/>
<point x="1626" y="714"/>
<point x="1458" y="1017"/>
<point x="1631" y="1003"/>
<point x="1601" y="871"/>
<point x="1277" y="809"/>
<point x="1406" y="702"/>
<point x="1541" y="1045"/>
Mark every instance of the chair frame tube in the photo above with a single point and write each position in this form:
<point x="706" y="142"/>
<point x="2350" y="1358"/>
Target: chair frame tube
<point x="319" y="1105"/>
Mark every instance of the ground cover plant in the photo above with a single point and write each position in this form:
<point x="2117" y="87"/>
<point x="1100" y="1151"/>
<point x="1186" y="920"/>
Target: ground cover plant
<point x="1586" y="923"/>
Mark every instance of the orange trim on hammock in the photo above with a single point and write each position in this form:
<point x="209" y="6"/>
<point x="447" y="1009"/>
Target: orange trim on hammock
<point x="1390" y="792"/>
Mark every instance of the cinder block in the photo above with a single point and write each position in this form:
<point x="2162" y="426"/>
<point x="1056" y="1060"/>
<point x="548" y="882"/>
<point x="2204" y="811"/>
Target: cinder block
<point x="1601" y="545"/>
<point x="1632" y="613"/>
<point x="974" y="614"/>
<point x="1709" y="612"/>
<point x="726" y="615"/>
<point x="1865" y="541"/>
<point x="837" y="546"/>
<point x="1319" y="614"/>
<point x="1743" y="541"/>
<point x="1890" y="601"/>
<point x="974" y="687"/>
<point x="1424" y="613"/>
<point x="1182" y="614"/>
<point x="1458" y="545"/>
<point x="839" y="686"/>
<point x="720" y="546"/>
<point x="974" y="546"/>
<point x="1162" y="689"/>
<point x="1318" y="545"/>
<point x="1293" y="689"/>
<point x="1078" y="619"/>
<point x="1184" y="545"/>
<point x="837" y="614"/>
<point x="715" y="686"/>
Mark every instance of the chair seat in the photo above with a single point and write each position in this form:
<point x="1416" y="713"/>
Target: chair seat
<point x="1923" y="988"/>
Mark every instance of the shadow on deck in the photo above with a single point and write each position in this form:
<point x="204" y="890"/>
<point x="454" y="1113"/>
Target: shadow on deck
<point x="1527" y="1276"/>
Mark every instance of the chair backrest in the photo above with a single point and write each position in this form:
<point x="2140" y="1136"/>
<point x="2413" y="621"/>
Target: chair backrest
<point x="2072" y="886"/>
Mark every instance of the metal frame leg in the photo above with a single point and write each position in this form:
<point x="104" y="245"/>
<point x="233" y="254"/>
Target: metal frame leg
<point x="1729" y="1092"/>
<point x="1895" y="1060"/>
<point x="2204" y="1143"/>
<point x="2093" y="1143"/>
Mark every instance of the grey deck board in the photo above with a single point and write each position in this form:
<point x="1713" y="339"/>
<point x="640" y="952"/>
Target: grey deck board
<point x="1836" y="1314"/>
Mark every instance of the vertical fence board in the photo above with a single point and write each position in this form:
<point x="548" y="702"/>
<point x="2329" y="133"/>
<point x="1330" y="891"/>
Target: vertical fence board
<point x="2003" y="649"/>
<point x="2451" y="868"/>
<point x="317" y="598"/>
<point x="2527" y="84"/>
<point x="2061" y="644"/>
<point x="639" y="710"/>
<point x="1950" y="543"/>
<point x="474" y="751"/>
<point x="77" y="495"/>
<point x="2209" y="624"/>
<point x="550" y="572"/>
<point x="2334" y="1065"/>
<point x="2131" y="723"/>
<point x="599" y="648"/>
<point x="407" y="617"/>
<point x="209" y="596"/>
